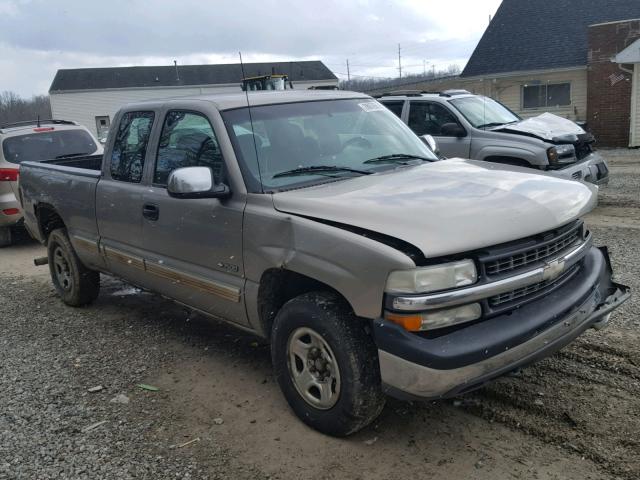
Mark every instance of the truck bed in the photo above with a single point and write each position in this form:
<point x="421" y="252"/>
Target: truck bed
<point x="66" y="186"/>
<point x="89" y="162"/>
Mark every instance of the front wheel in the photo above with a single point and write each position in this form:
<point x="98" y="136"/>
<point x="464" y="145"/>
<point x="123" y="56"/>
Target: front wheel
<point x="326" y="364"/>
<point x="75" y="283"/>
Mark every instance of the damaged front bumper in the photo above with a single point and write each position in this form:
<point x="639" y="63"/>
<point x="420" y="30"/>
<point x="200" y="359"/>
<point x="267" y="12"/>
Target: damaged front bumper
<point x="593" y="169"/>
<point x="415" y="367"/>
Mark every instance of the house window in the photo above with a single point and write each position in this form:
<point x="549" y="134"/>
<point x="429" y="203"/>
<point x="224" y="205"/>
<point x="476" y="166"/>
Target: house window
<point x="102" y="127"/>
<point x="546" y="95"/>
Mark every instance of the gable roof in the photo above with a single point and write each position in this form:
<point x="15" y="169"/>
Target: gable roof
<point x="543" y="34"/>
<point x="188" y="75"/>
<point x="631" y="54"/>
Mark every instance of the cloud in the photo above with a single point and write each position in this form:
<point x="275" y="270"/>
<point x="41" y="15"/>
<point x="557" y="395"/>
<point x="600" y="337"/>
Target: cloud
<point x="39" y="36"/>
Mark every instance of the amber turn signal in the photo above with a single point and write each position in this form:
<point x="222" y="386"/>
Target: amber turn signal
<point x="412" y="323"/>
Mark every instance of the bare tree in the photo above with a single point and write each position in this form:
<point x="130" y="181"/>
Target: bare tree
<point x="365" y="84"/>
<point x="14" y="108"/>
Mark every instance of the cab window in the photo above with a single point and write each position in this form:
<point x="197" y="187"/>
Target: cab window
<point x="187" y="140"/>
<point x="130" y="146"/>
<point x="427" y="118"/>
<point x="395" y="107"/>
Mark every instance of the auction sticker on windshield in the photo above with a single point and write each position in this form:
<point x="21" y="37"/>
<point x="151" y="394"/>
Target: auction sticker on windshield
<point x="371" y="106"/>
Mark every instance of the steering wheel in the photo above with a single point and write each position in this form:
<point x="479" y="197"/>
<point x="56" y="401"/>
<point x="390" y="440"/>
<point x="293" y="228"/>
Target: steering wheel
<point x="360" y="142"/>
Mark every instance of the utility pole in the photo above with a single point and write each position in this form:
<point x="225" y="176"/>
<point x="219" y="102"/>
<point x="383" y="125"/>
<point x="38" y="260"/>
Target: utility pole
<point x="424" y="68"/>
<point x="433" y="67"/>
<point x="399" y="62"/>
<point x="348" y="72"/>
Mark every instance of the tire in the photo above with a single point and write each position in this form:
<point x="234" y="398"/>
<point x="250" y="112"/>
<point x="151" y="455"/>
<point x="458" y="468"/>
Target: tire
<point x="74" y="283"/>
<point x="5" y="236"/>
<point x="351" y="396"/>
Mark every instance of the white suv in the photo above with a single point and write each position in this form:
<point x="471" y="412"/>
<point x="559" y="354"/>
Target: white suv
<point x="36" y="141"/>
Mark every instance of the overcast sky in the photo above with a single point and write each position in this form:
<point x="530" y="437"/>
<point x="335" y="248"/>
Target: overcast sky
<point x="37" y="37"/>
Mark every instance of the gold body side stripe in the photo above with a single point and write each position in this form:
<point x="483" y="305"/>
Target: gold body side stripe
<point x="221" y="290"/>
<point x="210" y="286"/>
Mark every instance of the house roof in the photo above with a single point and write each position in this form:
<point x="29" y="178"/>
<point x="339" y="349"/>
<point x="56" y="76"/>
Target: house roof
<point x="525" y="35"/>
<point x="187" y="75"/>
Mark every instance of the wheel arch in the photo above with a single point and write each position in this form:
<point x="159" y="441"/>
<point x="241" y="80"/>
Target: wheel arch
<point x="278" y="286"/>
<point x="508" y="160"/>
<point x="48" y="220"/>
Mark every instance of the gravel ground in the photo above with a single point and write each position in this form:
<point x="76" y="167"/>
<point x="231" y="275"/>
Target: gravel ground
<point x="52" y="426"/>
<point x="218" y="412"/>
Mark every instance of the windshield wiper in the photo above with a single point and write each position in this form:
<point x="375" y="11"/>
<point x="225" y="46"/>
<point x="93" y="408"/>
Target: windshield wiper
<point x="69" y="155"/>
<point x="319" y="169"/>
<point x="397" y="156"/>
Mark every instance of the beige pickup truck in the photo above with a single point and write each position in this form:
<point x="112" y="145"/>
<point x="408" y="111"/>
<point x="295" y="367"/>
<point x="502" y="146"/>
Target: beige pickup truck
<point x="321" y="222"/>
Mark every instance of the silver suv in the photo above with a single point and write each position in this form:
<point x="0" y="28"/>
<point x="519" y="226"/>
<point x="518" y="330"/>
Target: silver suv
<point x="477" y="127"/>
<point x="36" y="141"/>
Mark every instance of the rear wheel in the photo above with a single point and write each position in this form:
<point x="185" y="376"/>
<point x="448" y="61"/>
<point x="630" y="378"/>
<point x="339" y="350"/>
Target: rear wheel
<point x="75" y="283"/>
<point x="5" y="236"/>
<point x="326" y="364"/>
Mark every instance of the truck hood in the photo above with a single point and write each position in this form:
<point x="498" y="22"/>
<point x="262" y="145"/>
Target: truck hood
<point x="446" y="207"/>
<point x="548" y="127"/>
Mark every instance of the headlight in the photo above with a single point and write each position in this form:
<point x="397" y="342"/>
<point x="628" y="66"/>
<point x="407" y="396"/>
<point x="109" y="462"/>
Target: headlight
<point x="561" y="152"/>
<point x="434" y="278"/>
<point x="434" y="320"/>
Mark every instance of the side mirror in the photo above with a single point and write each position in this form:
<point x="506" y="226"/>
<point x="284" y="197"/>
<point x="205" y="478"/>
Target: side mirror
<point x="195" y="182"/>
<point x="431" y="143"/>
<point x="453" y="130"/>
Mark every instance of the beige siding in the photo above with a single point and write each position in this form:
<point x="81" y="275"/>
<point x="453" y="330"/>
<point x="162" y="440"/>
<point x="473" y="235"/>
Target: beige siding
<point x="508" y="90"/>
<point x="634" y="137"/>
<point x="83" y="107"/>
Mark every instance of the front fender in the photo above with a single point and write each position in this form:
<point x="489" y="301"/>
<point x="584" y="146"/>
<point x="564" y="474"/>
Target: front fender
<point x="533" y="156"/>
<point x="355" y="266"/>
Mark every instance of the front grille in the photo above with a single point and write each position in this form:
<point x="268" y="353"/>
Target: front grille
<point x="545" y="249"/>
<point x="519" y="293"/>
<point x="576" y="175"/>
<point x="584" y="145"/>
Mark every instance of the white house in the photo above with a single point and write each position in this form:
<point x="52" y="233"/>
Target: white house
<point x="631" y="56"/>
<point x="91" y="96"/>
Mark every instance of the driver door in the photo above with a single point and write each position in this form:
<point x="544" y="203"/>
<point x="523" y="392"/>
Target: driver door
<point x="193" y="246"/>
<point x="427" y="118"/>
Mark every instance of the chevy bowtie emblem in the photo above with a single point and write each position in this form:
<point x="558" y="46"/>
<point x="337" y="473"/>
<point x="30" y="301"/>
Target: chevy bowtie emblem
<point x="553" y="269"/>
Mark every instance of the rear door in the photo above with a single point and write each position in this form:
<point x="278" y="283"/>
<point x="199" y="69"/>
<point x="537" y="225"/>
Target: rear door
<point x="427" y="118"/>
<point x="119" y="195"/>
<point x="193" y="247"/>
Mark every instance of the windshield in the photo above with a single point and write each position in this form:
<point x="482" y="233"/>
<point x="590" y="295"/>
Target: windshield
<point x="484" y="112"/>
<point x="40" y="146"/>
<point x="341" y="135"/>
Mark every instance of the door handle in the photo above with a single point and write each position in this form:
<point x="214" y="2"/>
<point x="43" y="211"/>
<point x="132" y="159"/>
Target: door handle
<point x="150" y="211"/>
